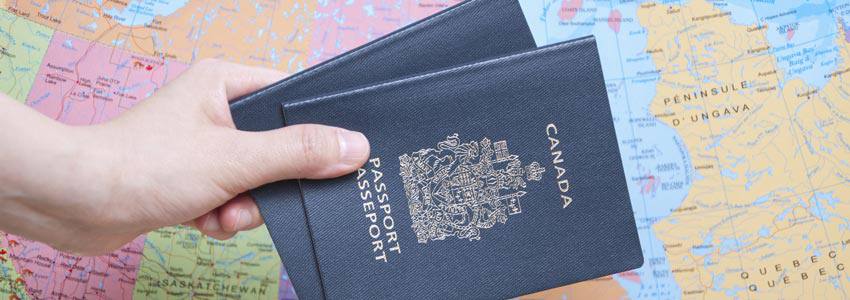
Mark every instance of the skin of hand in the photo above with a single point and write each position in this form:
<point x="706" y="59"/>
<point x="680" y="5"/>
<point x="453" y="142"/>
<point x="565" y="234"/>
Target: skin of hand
<point x="176" y="158"/>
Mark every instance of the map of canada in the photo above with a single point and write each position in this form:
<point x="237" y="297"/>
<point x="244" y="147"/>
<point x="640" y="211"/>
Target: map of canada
<point x="732" y="117"/>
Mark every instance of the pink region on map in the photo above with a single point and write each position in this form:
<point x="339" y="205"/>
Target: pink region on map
<point x="631" y="276"/>
<point x="82" y="82"/>
<point x="569" y="9"/>
<point x="342" y="25"/>
<point x="50" y="274"/>
<point x="614" y="20"/>
<point x="423" y="8"/>
<point x="648" y="184"/>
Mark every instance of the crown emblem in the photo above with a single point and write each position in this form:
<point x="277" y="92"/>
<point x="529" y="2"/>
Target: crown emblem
<point x="459" y="188"/>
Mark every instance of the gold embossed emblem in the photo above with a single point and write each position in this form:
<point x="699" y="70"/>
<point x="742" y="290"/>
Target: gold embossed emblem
<point x="459" y="188"/>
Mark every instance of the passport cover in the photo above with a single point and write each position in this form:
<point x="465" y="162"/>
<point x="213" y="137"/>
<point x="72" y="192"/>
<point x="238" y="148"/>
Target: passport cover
<point x="490" y="180"/>
<point x="470" y="31"/>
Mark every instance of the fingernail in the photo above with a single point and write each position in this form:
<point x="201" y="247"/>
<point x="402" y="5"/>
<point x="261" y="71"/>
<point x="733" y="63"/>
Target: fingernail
<point x="211" y="223"/>
<point x="353" y="147"/>
<point x="243" y="219"/>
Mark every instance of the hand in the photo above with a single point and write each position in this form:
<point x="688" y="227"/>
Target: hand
<point x="176" y="158"/>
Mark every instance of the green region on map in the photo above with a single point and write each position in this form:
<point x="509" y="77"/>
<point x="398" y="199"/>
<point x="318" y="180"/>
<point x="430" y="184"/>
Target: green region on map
<point x="180" y="262"/>
<point x="11" y="285"/>
<point x="22" y="46"/>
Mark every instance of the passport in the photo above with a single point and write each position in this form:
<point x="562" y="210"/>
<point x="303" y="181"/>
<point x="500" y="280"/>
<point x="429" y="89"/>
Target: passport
<point x="487" y="180"/>
<point x="470" y="31"/>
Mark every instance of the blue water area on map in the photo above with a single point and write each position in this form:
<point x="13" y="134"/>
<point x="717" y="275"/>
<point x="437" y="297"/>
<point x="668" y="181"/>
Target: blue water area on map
<point x="822" y="205"/>
<point x="369" y="9"/>
<point x="829" y="197"/>
<point x="718" y="280"/>
<point x="139" y="13"/>
<point x="91" y="27"/>
<point x="655" y="160"/>
<point x="754" y="177"/>
<point x="784" y="214"/>
<point x="761" y="200"/>
<point x="734" y="290"/>
<point x="731" y="244"/>
<point x="5" y="272"/>
<point x="707" y="239"/>
<point x="728" y="173"/>
<point x="801" y="34"/>
<point x="45" y="9"/>
<point x="764" y="231"/>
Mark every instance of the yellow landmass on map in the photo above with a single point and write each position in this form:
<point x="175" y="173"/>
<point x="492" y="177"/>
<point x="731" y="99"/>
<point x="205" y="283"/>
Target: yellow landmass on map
<point x="267" y="33"/>
<point x="767" y="154"/>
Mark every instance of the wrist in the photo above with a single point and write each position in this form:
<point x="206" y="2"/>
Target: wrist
<point x="39" y="197"/>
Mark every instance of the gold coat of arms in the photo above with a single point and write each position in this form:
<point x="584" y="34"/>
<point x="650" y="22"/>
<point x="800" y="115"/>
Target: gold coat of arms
<point x="457" y="189"/>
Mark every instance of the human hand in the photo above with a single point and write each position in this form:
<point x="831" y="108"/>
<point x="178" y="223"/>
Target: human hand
<point x="176" y="158"/>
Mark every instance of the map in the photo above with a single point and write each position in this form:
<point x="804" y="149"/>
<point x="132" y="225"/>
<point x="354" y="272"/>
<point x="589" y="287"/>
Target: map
<point x="733" y="119"/>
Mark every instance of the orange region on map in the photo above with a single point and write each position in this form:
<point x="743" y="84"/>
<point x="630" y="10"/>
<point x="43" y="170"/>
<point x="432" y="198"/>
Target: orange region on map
<point x="273" y="34"/>
<point x="48" y="273"/>
<point x="605" y="288"/>
<point x="342" y="25"/>
<point x="82" y="83"/>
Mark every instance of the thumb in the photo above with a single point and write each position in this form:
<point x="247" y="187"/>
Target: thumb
<point x="308" y="151"/>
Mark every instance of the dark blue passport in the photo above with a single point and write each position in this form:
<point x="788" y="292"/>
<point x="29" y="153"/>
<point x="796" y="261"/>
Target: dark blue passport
<point x="489" y="180"/>
<point x="470" y="31"/>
